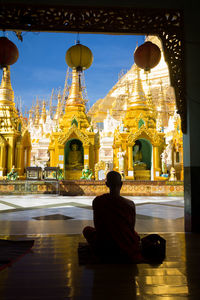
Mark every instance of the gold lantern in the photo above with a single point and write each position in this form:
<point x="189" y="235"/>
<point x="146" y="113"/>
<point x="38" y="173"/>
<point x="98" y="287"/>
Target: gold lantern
<point x="79" y="57"/>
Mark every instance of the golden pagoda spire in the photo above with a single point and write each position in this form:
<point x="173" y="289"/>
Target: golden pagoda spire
<point x="50" y="102"/>
<point x="37" y="112"/>
<point x="161" y="98"/>
<point x="138" y="98"/>
<point x="75" y="95"/>
<point x="6" y="91"/>
<point x="58" y="109"/>
<point x="20" y="107"/>
<point x="149" y="96"/>
<point x="43" y="115"/>
<point x="162" y="114"/>
<point x="30" y="116"/>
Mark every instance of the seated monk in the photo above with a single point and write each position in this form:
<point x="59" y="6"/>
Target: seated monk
<point x="114" y="220"/>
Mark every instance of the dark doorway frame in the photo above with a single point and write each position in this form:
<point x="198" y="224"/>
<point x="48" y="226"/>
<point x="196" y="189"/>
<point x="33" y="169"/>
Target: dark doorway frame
<point x="167" y="24"/>
<point x="59" y="16"/>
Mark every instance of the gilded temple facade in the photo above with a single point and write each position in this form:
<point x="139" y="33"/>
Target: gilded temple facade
<point x="155" y="121"/>
<point x="139" y="133"/>
<point x="116" y="101"/>
<point x="139" y="139"/>
<point x="75" y="145"/>
<point x="15" y="143"/>
<point x="107" y="139"/>
<point x="40" y="126"/>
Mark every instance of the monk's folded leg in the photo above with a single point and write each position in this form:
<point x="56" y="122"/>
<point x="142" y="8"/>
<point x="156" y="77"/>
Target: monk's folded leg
<point x="90" y="234"/>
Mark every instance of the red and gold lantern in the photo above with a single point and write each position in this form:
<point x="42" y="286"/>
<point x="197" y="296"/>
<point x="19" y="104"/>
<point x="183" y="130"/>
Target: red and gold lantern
<point x="147" y="56"/>
<point x="8" y="52"/>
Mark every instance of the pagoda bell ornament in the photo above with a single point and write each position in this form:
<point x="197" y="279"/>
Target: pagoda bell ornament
<point x="8" y="52"/>
<point x="147" y="56"/>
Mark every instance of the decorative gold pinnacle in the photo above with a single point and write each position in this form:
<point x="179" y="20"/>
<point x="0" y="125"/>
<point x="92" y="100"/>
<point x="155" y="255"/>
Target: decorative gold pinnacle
<point x="75" y="94"/>
<point x="6" y="91"/>
<point x="138" y="96"/>
<point x="58" y="109"/>
<point x="37" y="112"/>
<point x="43" y="115"/>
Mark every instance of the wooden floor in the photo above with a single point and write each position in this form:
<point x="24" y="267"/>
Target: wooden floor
<point x="51" y="271"/>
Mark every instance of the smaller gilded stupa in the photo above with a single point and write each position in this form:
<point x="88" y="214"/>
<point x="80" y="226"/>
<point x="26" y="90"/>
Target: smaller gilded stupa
<point x="40" y="127"/>
<point x="75" y="145"/>
<point x="138" y="143"/>
<point x="15" y="144"/>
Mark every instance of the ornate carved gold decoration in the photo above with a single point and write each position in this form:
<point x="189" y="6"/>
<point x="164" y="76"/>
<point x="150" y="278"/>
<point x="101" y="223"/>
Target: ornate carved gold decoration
<point x="74" y="124"/>
<point x="156" y="138"/>
<point x="15" y="144"/>
<point x="2" y="141"/>
<point x="74" y="131"/>
<point x="101" y="165"/>
<point x="166" y="23"/>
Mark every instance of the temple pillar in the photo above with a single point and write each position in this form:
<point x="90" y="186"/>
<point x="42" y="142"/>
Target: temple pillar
<point x="52" y="157"/>
<point x="156" y="160"/>
<point x="2" y="160"/>
<point x="115" y="161"/>
<point x="173" y="154"/>
<point x="11" y="154"/>
<point x="19" y="160"/>
<point x="96" y="154"/>
<point x="86" y="156"/>
<point x="28" y="156"/>
<point x="130" y="162"/>
<point x="191" y="139"/>
<point x="1" y="157"/>
<point x="61" y="156"/>
<point x="181" y="164"/>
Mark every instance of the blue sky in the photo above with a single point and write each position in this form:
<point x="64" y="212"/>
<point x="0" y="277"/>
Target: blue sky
<point x="41" y="65"/>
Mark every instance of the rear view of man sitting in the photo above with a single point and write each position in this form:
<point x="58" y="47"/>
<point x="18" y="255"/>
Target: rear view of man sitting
<point x="114" y="235"/>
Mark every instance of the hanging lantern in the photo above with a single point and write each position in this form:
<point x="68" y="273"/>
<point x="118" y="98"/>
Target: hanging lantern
<point x="147" y="56"/>
<point x="8" y="52"/>
<point x="79" y="57"/>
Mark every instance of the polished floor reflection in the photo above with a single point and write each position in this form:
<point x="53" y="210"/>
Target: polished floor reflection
<point x="51" y="271"/>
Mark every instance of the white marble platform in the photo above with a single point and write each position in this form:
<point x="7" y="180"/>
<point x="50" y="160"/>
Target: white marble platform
<point x="18" y="213"/>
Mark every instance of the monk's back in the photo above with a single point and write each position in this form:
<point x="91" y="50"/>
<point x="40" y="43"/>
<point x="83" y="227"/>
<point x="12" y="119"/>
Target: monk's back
<point x="113" y="216"/>
<point x="114" y="221"/>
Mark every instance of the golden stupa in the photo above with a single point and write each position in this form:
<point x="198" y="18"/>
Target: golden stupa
<point x="15" y="144"/>
<point x="116" y="100"/>
<point x="75" y="145"/>
<point x="138" y="137"/>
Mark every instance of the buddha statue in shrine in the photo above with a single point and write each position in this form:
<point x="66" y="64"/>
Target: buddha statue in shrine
<point x="137" y="156"/>
<point x="75" y="158"/>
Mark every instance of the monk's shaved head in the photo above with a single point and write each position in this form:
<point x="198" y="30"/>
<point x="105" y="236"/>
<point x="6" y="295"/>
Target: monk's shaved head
<point x="113" y="179"/>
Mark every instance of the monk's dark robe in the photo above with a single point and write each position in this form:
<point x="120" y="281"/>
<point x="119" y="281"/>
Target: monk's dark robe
<point x="114" y="221"/>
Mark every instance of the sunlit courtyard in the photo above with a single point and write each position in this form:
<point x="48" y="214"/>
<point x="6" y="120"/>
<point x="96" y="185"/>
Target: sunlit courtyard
<point x="52" y="214"/>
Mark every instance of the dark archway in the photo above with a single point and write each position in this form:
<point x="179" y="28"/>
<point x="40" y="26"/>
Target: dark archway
<point x="146" y="152"/>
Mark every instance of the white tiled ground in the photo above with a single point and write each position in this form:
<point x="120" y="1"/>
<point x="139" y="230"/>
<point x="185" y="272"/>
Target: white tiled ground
<point x="70" y="211"/>
<point x="160" y="211"/>
<point x="18" y="213"/>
